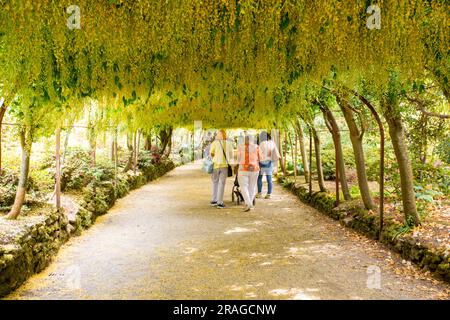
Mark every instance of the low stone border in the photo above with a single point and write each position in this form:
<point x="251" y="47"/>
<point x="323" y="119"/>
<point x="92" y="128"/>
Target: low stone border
<point x="40" y="237"/>
<point x="436" y="260"/>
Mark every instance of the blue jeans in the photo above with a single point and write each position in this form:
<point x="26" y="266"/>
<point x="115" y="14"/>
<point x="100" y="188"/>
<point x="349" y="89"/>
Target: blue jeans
<point x="269" y="183"/>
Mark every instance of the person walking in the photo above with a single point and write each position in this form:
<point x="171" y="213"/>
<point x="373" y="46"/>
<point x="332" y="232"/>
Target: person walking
<point x="249" y="156"/>
<point x="269" y="159"/>
<point x="221" y="152"/>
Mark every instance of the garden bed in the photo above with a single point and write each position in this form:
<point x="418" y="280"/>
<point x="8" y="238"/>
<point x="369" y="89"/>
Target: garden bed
<point x="28" y="244"/>
<point x="414" y="246"/>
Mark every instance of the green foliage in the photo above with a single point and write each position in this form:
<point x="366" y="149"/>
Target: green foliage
<point x="354" y="192"/>
<point x="8" y="186"/>
<point x="432" y="177"/>
<point x="42" y="180"/>
<point x="443" y="150"/>
<point x="76" y="170"/>
<point x="39" y="184"/>
<point x="426" y="195"/>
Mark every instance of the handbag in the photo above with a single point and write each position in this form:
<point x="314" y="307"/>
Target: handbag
<point x="230" y="170"/>
<point x="208" y="165"/>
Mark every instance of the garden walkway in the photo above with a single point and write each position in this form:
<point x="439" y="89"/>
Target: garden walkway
<point x="164" y="241"/>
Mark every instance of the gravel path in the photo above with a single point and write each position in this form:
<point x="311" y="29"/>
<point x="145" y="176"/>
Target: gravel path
<point x="163" y="241"/>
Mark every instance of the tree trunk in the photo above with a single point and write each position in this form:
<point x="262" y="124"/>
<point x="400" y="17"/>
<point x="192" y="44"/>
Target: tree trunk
<point x="335" y="132"/>
<point x="165" y="136"/>
<point x="113" y="150"/>
<point x="24" y="172"/>
<point x="58" y="169"/>
<point x="281" y="149"/>
<point x="292" y="156"/>
<point x="397" y="134"/>
<point x="129" y="164"/>
<point x="135" y="152"/>
<point x="116" y="157"/>
<point x="148" y="142"/>
<point x="357" y="144"/>
<point x="66" y="144"/>
<point x="169" y="146"/>
<point x="310" y="161"/>
<point x="320" y="177"/>
<point x="424" y="138"/>
<point x="301" y="138"/>
<point x="382" y="144"/>
<point x="295" y="154"/>
<point x="2" y="114"/>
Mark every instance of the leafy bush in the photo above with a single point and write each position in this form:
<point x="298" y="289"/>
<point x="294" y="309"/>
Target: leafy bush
<point x="8" y="187"/>
<point x="443" y="150"/>
<point x="434" y="176"/>
<point x="426" y="194"/>
<point x="77" y="171"/>
<point x="42" y="180"/>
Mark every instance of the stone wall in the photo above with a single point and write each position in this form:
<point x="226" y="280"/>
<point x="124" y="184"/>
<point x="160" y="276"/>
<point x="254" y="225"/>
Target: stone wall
<point x="354" y="216"/>
<point x="39" y="238"/>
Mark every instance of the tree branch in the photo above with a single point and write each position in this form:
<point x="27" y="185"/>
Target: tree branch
<point x="421" y="105"/>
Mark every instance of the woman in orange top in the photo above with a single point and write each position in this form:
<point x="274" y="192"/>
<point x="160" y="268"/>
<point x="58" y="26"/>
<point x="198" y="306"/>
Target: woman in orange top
<point x="249" y="156"/>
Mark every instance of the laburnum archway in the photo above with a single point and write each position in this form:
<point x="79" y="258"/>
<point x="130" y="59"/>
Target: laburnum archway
<point x="229" y="63"/>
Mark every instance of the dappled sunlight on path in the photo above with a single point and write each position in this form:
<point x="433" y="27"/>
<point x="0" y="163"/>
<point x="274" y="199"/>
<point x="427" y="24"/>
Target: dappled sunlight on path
<point x="164" y="241"/>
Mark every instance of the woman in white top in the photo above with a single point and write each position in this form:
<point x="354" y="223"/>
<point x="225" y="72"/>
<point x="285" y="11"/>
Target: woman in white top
<point x="270" y="156"/>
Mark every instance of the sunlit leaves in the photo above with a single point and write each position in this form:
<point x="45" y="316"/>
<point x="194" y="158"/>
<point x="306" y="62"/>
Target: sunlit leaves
<point x="224" y="61"/>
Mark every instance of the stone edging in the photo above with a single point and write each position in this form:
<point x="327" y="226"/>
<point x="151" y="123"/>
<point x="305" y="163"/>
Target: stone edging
<point x="42" y="236"/>
<point x="410" y="248"/>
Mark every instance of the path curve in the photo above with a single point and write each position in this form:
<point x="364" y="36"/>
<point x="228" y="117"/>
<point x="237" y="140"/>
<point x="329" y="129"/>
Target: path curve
<point x="163" y="241"/>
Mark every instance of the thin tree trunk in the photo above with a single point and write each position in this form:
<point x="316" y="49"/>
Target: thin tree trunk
<point x="134" y="152"/>
<point x="397" y="134"/>
<point x="292" y="155"/>
<point x="116" y="157"/>
<point x="301" y="138"/>
<point x="169" y="150"/>
<point x="382" y="139"/>
<point x="295" y="153"/>
<point x="93" y="152"/>
<point x="58" y="169"/>
<point x="129" y="163"/>
<point x="310" y="161"/>
<point x="334" y="130"/>
<point x="358" y="150"/>
<point x="66" y="144"/>
<point x="281" y="149"/>
<point x="424" y="143"/>
<point x="320" y="177"/>
<point x="113" y="150"/>
<point x="23" y="180"/>
<point x="148" y="142"/>
<point x="2" y="114"/>
<point x="285" y="152"/>
<point x="165" y="136"/>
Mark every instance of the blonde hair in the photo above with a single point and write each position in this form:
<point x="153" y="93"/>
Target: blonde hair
<point x="222" y="134"/>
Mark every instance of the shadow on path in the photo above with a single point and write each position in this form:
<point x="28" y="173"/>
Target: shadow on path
<point x="163" y="241"/>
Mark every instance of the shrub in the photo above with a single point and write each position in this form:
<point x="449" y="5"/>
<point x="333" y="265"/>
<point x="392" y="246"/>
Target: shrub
<point x="443" y="150"/>
<point x="433" y="176"/>
<point x="76" y="170"/>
